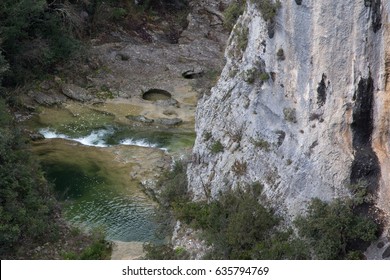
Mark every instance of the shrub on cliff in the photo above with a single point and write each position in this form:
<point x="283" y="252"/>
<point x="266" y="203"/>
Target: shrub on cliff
<point x="267" y="8"/>
<point x="239" y="227"/>
<point x="232" y="12"/>
<point x="334" y="231"/>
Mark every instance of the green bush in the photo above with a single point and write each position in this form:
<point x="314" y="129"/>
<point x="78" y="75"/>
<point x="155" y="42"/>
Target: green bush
<point x="118" y="14"/>
<point x="236" y="225"/>
<point x="216" y="147"/>
<point x="290" y="114"/>
<point x="207" y="135"/>
<point x="27" y="207"/>
<point x="35" y="37"/>
<point x="173" y="184"/>
<point x="264" y="76"/>
<point x="267" y="8"/>
<point x="232" y="12"/>
<point x="164" y="252"/>
<point x="99" y="248"/>
<point x="261" y="143"/>
<point x="239" y="167"/>
<point x="239" y="227"/>
<point x="333" y="230"/>
<point x="173" y="191"/>
<point x="242" y="33"/>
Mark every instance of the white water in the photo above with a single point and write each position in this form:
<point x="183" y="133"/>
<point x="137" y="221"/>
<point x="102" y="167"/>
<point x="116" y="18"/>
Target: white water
<point x="140" y="143"/>
<point x="97" y="138"/>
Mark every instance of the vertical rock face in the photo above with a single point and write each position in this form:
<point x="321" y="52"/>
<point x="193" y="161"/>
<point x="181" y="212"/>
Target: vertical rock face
<point x="302" y="105"/>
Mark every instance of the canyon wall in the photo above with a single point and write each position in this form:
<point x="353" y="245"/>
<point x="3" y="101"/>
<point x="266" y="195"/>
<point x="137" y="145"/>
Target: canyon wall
<point x="301" y="106"/>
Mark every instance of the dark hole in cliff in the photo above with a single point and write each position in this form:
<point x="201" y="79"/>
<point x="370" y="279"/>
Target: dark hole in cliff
<point x="299" y="2"/>
<point x="376" y="16"/>
<point x="321" y="91"/>
<point x="156" y="94"/>
<point x="281" y="136"/>
<point x="271" y="29"/>
<point x="191" y="74"/>
<point x="365" y="166"/>
<point x="362" y="124"/>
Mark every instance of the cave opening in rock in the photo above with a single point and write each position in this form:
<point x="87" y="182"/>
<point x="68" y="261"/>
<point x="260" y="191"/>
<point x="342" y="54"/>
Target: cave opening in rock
<point x="191" y="74"/>
<point x="156" y="94"/>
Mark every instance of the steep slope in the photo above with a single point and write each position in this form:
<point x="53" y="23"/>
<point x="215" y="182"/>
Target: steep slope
<point x="301" y="106"/>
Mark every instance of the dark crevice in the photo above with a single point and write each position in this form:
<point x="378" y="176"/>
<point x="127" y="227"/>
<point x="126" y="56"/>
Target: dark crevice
<point x="365" y="166"/>
<point x="281" y="136"/>
<point x="321" y="92"/>
<point x="191" y="74"/>
<point x="376" y="16"/>
<point x="271" y="28"/>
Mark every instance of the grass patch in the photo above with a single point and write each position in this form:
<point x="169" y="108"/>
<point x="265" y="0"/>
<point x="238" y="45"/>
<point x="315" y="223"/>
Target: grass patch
<point x="261" y="144"/>
<point x="232" y="12"/>
<point x="264" y="76"/>
<point x="216" y="147"/>
<point x="267" y="8"/>
<point x="290" y="114"/>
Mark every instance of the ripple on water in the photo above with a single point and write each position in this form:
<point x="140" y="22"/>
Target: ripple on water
<point x="92" y="200"/>
<point x="123" y="219"/>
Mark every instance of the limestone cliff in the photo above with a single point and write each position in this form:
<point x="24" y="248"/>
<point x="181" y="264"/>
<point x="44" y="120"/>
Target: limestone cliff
<point x="302" y="105"/>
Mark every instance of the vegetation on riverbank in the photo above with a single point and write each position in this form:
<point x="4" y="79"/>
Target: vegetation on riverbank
<point x="31" y="226"/>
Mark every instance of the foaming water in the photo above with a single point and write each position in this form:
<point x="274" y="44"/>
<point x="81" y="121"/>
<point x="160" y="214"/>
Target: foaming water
<point x="139" y="143"/>
<point x="94" y="139"/>
<point x="99" y="138"/>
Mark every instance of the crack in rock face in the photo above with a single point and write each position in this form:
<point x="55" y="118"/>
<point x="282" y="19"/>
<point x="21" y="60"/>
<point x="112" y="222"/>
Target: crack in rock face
<point x="365" y="165"/>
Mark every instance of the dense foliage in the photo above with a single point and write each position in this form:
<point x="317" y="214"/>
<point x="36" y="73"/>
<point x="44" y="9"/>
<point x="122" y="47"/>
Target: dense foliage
<point x="238" y="226"/>
<point x="267" y="8"/>
<point x="232" y="12"/>
<point x="35" y="35"/>
<point x="335" y="231"/>
<point x="27" y="207"/>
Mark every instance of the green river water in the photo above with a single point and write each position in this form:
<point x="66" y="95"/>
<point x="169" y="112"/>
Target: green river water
<point x="96" y="165"/>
